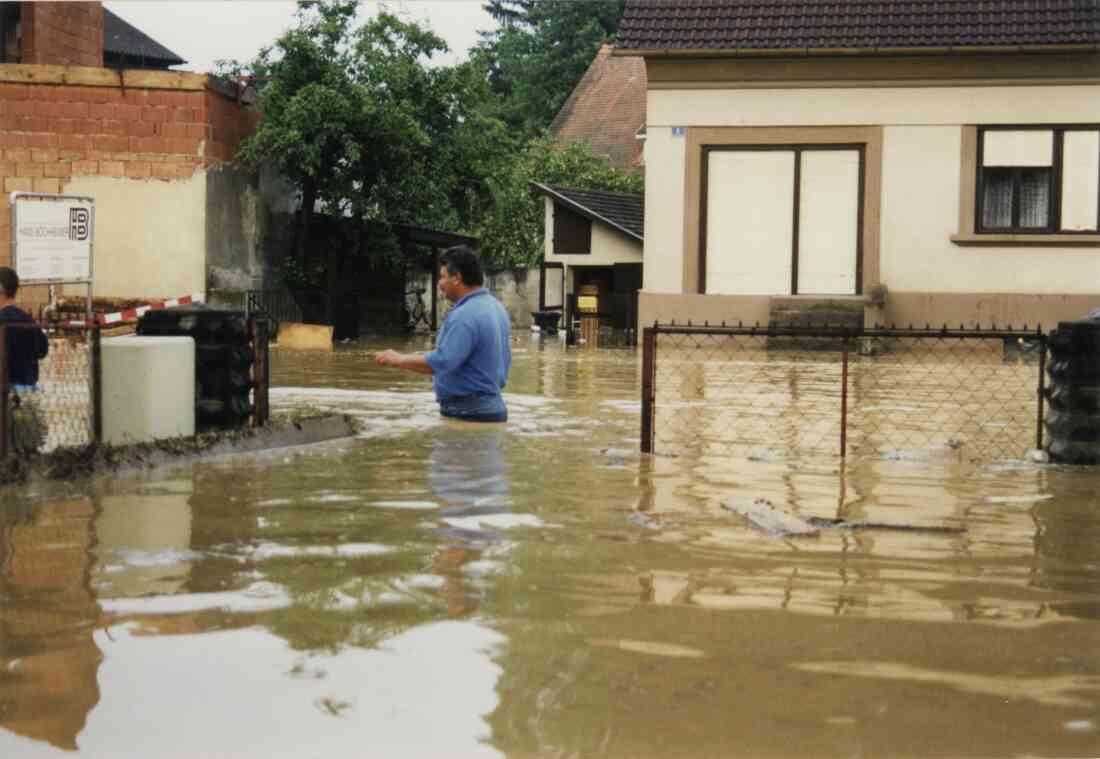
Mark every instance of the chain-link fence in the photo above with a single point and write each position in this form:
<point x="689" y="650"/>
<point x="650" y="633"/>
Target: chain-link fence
<point x="775" y="391"/>
<point x="58" y="409"/>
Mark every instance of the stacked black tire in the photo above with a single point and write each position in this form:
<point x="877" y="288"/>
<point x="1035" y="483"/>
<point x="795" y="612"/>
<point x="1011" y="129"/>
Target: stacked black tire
<point x="1073" y="393"/>
<point x="223" y="361"/>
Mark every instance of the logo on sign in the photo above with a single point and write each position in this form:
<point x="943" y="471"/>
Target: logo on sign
<point x="78" y="223"/>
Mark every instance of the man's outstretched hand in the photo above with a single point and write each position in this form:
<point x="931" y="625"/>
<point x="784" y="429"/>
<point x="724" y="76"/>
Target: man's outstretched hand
<point x="389" y="358"/>
<point x="413" y="362"/>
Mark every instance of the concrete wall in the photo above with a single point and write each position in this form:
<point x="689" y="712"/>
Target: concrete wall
<point x="929" y="262"/>
<point x="249" y="220"/>
<point x="150" y="236"/>
<point x="920" y="213"/>
<point x="517" y="289"/>
<point x="665" y="155"/>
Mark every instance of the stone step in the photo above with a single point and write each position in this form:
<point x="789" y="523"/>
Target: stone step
<point x="811" y="302"/>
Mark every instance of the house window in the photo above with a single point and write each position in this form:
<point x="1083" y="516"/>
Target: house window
<point x="1038" y="180"/>
<point x="572" y="233"/>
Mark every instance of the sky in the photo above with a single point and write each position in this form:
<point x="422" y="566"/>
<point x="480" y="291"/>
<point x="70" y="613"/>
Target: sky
<point x="204" y="31"/>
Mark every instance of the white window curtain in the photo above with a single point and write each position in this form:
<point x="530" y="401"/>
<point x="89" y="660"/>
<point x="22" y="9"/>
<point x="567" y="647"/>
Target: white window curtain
<point x="997" y="199"/>
<point x="1034" y="198"/>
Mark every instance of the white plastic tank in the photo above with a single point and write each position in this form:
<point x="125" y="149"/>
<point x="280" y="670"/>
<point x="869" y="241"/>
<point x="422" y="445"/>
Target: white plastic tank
<point x="148" y="388"/>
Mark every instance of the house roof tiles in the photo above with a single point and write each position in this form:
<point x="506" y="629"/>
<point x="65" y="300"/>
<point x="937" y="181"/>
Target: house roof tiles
<point x="606" y="109"/>
<point x="623" y="211"/>
<point x="748" y="25"/>
<point x="122" y="39"/>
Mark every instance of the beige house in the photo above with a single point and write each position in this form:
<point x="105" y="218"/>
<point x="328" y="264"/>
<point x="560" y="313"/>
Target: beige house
<point x="593" y="250"/>
<point x="931" y="162"/>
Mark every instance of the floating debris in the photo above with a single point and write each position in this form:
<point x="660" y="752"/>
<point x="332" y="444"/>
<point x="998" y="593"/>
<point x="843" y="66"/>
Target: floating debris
<point x="644" y="521"/>
<point x="651" y="647"/>
<point x="765" y="517"/>
<point x="844" y="524"/>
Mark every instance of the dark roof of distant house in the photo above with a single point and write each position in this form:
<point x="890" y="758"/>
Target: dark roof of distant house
<point x="606" y="109"/>
<point x="620" y="210"/>
<point x="856" y="25"/>
<point x="124" y="40"/>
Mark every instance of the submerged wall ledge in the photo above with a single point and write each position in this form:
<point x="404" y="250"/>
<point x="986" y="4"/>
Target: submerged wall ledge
<point x="92" y="460"/>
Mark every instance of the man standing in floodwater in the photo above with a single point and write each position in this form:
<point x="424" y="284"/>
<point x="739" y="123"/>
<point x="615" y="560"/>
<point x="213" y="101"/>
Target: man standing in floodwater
<point x="26" y="345"/>
<point x="473" y="353"/>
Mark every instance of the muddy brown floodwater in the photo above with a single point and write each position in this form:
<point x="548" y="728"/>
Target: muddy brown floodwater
<point x="435" y="589"/>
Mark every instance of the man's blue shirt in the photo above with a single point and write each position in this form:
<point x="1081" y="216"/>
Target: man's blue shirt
<point x="474" y="349"/>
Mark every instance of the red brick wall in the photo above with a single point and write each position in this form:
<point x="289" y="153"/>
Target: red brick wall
<point x="69" y="34"/>
<point x="228" y="126"/>
<point x="50" y="133"/>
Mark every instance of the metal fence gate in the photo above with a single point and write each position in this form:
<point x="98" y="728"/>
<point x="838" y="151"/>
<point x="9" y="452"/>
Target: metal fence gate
<point x="886" y="392"/>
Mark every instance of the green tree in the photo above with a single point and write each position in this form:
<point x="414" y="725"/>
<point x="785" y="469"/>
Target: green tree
<point x="355" y="117"/>
<point x="311" y="106"/>
<point x="539" y="52"/>
<point x="512" y="232"/>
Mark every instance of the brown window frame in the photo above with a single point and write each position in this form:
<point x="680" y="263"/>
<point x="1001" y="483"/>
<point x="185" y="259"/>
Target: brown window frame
<point x="1054" y="194"/>
<point x="571" y="230"/>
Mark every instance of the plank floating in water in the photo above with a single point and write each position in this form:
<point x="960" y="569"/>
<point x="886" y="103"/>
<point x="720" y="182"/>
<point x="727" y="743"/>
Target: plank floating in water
<point x="762" y="515"/>
<point x="844" y="524"/>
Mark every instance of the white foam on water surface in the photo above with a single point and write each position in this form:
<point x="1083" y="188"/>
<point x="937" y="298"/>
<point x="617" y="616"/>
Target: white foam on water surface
<point x="345" y="550"/>
<point x="483" y="568"/>
<point x="624" y="406"/>
<point x="334" y="498"/>
<point x="653" y="648"/>
<point x="412" y="505"/>
<point x="1079" y="726"/>
<point x="274" y="502"/>
<point x="164" y="558"/>
<point x="260" y="596"/>
<point x="1033" y="498"/>
<point x="495" y="522"/>
<point x="421" y="582"/>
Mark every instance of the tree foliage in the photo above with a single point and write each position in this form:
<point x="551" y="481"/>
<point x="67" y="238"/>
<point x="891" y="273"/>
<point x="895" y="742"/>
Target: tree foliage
<point x="539" y="52"/>
<point x="512" y="235"/>
<point x="355" y="116"/>
<point x="358" y="119"/>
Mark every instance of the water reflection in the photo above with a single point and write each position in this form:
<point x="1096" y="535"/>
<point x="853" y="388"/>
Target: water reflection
<point x="1067" y="554"/>
<point x="438" y="588"/>
<point x="48" y="658"/>
<point x="468" y="475"/>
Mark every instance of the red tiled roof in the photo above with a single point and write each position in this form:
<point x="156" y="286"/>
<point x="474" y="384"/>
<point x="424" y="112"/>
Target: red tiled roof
<point x="606" y="109"/>
<point x="855" y="24"/>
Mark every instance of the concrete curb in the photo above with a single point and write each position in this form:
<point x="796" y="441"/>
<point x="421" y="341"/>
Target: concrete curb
<point x="90" y="461"/>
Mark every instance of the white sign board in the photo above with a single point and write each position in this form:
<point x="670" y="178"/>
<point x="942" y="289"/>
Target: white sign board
<point x="52" y="237"/>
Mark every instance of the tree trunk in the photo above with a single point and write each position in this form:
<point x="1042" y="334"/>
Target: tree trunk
<point x="334" y="292"/>
<point x="305" y="219"/>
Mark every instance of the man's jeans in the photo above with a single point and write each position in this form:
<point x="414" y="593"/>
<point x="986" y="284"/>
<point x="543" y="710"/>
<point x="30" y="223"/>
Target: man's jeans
<point x="475" y="408"/>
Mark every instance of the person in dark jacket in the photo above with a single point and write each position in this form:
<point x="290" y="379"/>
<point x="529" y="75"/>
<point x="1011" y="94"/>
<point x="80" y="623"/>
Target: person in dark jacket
<point x="25" y="346"/>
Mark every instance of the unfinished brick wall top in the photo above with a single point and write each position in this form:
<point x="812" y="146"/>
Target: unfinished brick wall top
<point x="139" y="125"/>
<point x="68" y="34"/>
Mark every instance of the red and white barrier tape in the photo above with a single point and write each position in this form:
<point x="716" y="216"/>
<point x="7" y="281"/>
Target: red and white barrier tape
<point x="130" y="314"/>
